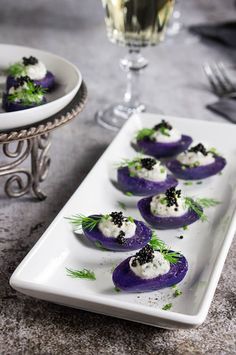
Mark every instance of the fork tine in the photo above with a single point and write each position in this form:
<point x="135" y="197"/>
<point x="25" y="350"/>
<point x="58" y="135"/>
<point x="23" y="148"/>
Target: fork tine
<point x="228" y="82"/>
<point x="212" y="80"/>
<point x="221" y="82"/>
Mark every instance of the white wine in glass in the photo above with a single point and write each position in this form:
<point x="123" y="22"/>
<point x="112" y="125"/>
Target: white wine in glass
<point x="135" y="24"/>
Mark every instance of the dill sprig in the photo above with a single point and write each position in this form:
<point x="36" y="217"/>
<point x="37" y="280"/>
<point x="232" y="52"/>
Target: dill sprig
<point x="198" y="204"/>
<point x="80" y="221"/>
<point x="194" y="206"/>
<point x="16" y="70"/>
<point x="144" y="133"/>
<point x="81" y="274"/>
<point x="207" y="202"/>
<point x="160" y="246"/>
<point x="29" y="94"/>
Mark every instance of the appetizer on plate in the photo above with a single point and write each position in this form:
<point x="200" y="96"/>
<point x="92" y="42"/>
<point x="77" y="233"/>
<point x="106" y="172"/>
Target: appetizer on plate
<point x="23" y="95"/>
<point x="196" y="163"/>
<point x="150" y="269"/>
<point x="144" y="176"/>
<point x="113" y="231"/>
<point x="161" y="141"/>
<point x="170" y="210"/>
<point x="34" y="69"/>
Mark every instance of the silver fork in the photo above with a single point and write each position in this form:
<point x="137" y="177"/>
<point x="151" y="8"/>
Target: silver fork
<point x="219" y="80"/>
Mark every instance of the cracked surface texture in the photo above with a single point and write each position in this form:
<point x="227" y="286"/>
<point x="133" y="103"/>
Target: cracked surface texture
<point x="75" y="29"/>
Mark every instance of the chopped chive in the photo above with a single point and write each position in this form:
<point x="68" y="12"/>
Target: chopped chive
<point x="185" y="228"/>
<point x="199" y="182"/>
<point x="116" y="289"/>
<point x="129" y="193"/>
<point x="145" y="133"/>
<point x="122" y="205"/>
<point x="167" y="306"/>
<point x="188" y="183"/>
<point x="177" y="293"/>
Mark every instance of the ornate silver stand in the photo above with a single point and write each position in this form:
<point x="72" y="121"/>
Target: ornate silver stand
<point x="24" y="180"/>
<point x="31" y="145"/>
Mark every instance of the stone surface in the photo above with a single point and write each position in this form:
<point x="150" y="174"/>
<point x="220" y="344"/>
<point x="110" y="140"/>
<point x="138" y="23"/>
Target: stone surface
<point x="175" y="83"/>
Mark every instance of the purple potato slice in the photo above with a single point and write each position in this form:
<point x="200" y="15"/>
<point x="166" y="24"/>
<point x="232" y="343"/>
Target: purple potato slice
<point x="163" y="150"/>
<point x="163" y="223"/>
<point x="17" y="106"/>
<point x="126" y="280"/>
<point x="47" y="82"/>
<point x="142" y="187"/>
<point x="142" y="236"/>
<point x="198" y="172"/>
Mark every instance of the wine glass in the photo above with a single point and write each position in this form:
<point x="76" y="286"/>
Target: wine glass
<point x="175" y="24"/>
<point x="135" y="24"/>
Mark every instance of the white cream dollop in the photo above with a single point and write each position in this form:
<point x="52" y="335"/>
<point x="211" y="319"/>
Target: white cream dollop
<point x="157" y="267"/>
<point x="109" y="229"/>
<point x="159" y="207"/>
<point x="36" y="71"/>
<point x="195" y="158"/>
<point x="157" y="173"/>
<point x="171" y="136"/>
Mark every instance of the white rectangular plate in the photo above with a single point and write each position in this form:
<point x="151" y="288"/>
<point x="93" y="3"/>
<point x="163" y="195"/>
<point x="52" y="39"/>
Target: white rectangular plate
<point x="42" y="273"/>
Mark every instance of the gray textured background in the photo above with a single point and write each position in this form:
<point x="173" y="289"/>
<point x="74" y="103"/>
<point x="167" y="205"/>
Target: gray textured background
<point x="174" y="82"/>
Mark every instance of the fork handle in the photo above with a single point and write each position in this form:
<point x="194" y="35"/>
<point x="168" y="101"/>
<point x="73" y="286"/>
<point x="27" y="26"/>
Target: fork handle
<point x="231" y="96"/>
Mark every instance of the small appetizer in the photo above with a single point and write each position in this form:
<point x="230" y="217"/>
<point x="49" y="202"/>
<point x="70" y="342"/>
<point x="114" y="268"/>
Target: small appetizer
<point x="161" y="141"/>
<point x="150" y="269"/>
<point x="196" y="163"/>
<point x="144" y="177"/>
<point x="34" y="69"/>
<point x="113" y="231"/>
<point x="170" y="210"/>
<point x="23" y="95"/>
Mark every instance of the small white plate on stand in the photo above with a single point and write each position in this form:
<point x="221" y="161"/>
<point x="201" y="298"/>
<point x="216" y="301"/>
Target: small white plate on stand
<point x="42" y="273"/>
<point x="68" y="80"/>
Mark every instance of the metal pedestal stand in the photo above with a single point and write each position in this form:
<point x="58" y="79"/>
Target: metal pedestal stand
<point x="34" y="142"/>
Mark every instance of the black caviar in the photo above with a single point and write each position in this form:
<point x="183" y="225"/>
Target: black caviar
<point x="21" y="80"/>
<point x="30" y="61"/>
<point x="162" y="125"/>
<point x="148" y="163"/>
<point x="198" y="148"/>
<point x="121" y="238"/>
<point x="117" y="218"/>
<point x="171" y="197"/>
<point x="145" y="255"/>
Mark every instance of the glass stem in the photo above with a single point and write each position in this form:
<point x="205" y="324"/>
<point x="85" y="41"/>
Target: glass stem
<point x="133" y="64"/>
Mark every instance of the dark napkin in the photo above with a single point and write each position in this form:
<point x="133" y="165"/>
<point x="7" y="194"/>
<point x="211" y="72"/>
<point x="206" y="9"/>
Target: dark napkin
<point x="224" y="33"/>
<point x="225" y="107"/>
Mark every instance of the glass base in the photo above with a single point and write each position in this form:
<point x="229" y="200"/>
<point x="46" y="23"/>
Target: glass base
<point x="115" y="116"/>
